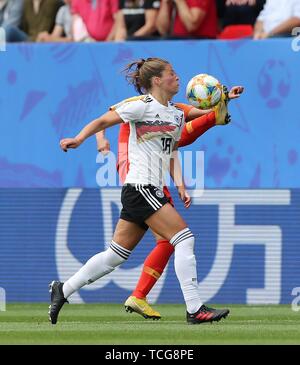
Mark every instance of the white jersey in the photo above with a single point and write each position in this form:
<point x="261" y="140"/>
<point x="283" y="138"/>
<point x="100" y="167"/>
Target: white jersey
<point x="154" y="129"/>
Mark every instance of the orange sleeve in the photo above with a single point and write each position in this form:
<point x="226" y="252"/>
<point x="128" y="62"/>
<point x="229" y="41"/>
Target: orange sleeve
<point x="186" y="108"/>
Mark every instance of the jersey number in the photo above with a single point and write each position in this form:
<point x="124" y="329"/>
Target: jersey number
<point x="166" y="144"/>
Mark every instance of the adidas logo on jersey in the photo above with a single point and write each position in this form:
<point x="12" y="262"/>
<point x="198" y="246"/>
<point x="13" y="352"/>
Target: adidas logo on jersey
<point x="147" y="99"/>
<point x="157" y="116"/>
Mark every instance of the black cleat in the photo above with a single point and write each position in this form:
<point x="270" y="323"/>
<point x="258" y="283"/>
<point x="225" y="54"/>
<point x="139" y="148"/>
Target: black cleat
<point x="57" y="300"/>
<point x="206" y="314"/>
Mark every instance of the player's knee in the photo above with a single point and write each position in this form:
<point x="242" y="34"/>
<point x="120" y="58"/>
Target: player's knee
<point x="184" y="238"/>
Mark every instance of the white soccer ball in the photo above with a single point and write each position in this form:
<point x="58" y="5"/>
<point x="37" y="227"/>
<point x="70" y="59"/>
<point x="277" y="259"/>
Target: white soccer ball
<point x="204" y="91"/>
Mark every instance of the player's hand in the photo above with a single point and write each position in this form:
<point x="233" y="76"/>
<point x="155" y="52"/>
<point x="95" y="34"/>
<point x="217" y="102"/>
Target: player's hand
<point x="184" y="196"/>
<point x="103" y="146"/>
<point x="67" y="143"/>
<point x="235" y="92"/>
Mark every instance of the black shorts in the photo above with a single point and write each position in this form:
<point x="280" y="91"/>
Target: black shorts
<point x="140" y="202"/>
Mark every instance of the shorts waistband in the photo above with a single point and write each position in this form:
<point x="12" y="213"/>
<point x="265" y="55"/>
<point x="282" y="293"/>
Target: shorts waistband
<point x="143" y="185"/>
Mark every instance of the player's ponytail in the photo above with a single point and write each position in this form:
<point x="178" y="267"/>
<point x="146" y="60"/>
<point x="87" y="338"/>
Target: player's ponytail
<point x="139" y="73"/>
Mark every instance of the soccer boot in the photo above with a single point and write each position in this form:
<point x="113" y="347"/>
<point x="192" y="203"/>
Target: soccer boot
<point x="57" y="300"/>
<point x="221" y="109"/>
<point x="141" y="307"/>
<point x="206" y="314"/>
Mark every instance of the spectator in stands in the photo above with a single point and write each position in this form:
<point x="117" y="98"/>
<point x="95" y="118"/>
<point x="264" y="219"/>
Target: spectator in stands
<point x="234" y="12"/>
<point x="62" y="31"/>
<point x="277" y="18"/>
<point x="98" y="18"/>
<point x="136" y="20"/>
<point x="10" y="12"/>
<point x="187" y="19"/>
<point x="37" y="16"/>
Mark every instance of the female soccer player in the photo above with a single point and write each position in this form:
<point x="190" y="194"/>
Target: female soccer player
<point x="151" y="143"/>
<point x="198" y="122"/>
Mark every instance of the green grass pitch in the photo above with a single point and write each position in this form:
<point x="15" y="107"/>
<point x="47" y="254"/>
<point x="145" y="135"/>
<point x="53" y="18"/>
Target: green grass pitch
<point x="110" y="324"/>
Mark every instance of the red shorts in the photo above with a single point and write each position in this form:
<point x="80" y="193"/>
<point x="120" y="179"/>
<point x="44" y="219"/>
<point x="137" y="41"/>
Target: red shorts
<point x="168" y="195"/>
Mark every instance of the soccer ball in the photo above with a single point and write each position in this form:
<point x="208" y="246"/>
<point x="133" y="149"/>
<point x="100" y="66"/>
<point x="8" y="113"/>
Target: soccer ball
<point x="204" y="91"/>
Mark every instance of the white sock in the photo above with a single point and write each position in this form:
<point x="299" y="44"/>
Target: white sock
<point x="96" y="267"/>
<point x="186" y="268"/>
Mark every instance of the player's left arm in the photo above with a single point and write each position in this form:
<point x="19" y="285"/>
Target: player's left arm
<point x="234" y="93"/>
<point x="200" y="121"/>
<point x="176" y="175"/>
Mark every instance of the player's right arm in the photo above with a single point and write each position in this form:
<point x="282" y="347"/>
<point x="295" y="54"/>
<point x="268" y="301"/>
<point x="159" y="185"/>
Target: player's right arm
<point x="107" y="120"/>
<point x="129" y="110"/>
